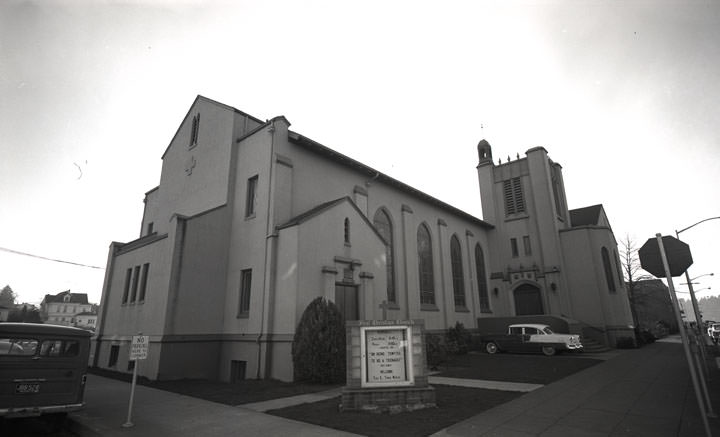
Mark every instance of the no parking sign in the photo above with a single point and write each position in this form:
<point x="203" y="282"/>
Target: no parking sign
<point x="139" y="347"/>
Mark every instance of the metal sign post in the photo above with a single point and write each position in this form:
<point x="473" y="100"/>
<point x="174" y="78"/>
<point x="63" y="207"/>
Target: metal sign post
<point x="683" y="334"/>
<point x="138" y="351"/>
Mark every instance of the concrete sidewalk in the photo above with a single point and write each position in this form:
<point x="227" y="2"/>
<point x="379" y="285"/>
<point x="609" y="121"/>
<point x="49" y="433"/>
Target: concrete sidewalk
<point x="641" y="392"/>
<point x="158" y="413"/>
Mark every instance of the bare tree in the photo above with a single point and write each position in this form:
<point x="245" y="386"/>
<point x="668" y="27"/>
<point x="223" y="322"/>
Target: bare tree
<point x="633" y="273"/>
<point x="632" y="270"/>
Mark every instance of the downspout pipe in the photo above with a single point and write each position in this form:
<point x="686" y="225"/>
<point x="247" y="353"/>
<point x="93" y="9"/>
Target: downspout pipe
<point x="269" y="231"/>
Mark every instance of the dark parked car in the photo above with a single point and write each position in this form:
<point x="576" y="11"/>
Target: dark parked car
<point x="530" y="337"/>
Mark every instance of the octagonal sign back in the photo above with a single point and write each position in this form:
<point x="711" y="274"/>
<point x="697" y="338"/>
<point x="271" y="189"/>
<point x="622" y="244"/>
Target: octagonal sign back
<point x="678" y="256"/>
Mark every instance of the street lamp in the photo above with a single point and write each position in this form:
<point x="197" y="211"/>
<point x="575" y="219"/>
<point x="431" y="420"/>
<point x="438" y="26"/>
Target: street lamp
<point x="698" y="323"/>
<point x="706" y="274"/>
<point x="687" y="275"/>
<point x="695" y="291"/>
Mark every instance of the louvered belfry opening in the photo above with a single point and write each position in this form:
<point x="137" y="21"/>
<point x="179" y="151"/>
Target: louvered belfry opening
<point x="514" y="200"/>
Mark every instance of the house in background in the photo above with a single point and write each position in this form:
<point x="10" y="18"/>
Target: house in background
<point x="252" y="221"/>
<point x="85" y="320"/>
<point x="61" y="308"/>
<point x="654" y="308"/>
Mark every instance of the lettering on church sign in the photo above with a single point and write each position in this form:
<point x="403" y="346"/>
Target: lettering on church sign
<point x="385" y="357"/>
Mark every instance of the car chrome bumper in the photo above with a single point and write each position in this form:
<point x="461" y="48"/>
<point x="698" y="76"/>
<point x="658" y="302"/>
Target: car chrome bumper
<point x="37" y="411"/>
<point x="574" y="346"/>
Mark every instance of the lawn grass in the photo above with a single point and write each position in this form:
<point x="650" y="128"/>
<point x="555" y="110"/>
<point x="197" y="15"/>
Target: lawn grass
<point x="526" y="368"/>
<point x="454" y="404"/>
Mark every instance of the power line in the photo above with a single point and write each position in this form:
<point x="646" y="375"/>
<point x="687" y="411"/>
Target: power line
<point x="17" y="252"/>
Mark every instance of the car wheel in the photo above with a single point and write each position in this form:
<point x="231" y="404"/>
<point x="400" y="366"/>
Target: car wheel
<point x="491" y="347"/>
<point x="548" y="351"/>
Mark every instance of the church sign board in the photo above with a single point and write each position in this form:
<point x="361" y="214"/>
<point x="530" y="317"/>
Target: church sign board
<point x="386" y="367"/>
<point x="385" y="357"/>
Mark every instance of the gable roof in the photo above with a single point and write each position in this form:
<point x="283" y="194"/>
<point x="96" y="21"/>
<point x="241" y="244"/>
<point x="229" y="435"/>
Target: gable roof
<point x="213" y="102"/>
<point x="588" y="216"/>
<point x="346" y="161"/>
<point x="333" y="155"/>
<point x="60" y="297"/>
<point x="313" y="212"/>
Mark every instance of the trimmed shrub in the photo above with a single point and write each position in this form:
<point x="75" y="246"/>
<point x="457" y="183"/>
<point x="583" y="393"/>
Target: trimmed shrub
<point x="458" y="339"/>
<point x="436" y="351"/>
<point x="646" y="337"/>
<point x="625" y="343"/>
<point x="318" y="349"/>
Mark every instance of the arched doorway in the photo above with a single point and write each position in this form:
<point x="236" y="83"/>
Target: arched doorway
<point x="528" y="300"/>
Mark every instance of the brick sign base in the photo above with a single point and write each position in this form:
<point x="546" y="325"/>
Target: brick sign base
<point x="386" y="367"/>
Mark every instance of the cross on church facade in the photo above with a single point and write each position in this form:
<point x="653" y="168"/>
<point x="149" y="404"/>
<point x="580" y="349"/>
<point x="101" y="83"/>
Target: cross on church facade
<point x="384" y="307"/>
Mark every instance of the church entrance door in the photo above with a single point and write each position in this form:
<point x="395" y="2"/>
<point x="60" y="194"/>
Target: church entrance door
<point x="528" y="300"/>
<point x="346" y="298"/>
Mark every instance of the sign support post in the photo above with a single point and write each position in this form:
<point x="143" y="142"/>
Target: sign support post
<point x="138" y="351"/>
<point x="683" y="334"/>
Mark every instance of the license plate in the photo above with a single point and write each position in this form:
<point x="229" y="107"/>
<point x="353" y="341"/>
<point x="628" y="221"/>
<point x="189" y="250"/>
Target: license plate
<point x="27" y="388"/>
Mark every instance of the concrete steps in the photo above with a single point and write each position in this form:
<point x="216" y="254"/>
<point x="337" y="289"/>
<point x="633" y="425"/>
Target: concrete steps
<point x="592" y="346"/>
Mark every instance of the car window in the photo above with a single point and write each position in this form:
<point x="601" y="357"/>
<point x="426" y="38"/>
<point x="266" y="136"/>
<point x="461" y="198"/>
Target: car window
<point x="516" y="330"/>
<point x="548" y="331"/>
<point x="59" y="348"/>
<point x="531" y="331"/>
<point x="17" y="346"/>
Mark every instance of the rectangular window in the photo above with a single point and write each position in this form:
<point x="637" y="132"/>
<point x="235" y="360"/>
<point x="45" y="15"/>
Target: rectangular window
<point x="251" y="196"/>
<point x="135" y="280"/>
<point x="114" y="354"/>
<point x="237" y="370"/>
<point x="59" y="348"/>
<point x="514" y="247"/>
<point x="143" y="282"/>
<point x="245" y="283"/>
<point x="18" y="346"/>
<point x="526" y="245"/>
<point x="126" y="291"/>
<point x="150" y="228"/>
<point x="514" y="199"/>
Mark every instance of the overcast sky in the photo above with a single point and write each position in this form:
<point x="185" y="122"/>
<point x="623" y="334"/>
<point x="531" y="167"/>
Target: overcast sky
<point x="624" y="95"/>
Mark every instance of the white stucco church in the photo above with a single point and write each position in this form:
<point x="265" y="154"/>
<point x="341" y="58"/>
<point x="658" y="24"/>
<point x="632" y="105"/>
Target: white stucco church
<point x="251" y="221"/>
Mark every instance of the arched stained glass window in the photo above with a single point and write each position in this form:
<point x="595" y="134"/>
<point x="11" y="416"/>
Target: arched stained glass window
<point x="482" y="279"/>
<point x="384" y="226"/>
<point x="608" y="269"/>
<point x="457" y="272"/>
<point x="425" y="266"/>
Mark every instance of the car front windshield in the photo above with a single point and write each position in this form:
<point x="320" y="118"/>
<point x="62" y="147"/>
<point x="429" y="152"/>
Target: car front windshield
<point x="547" y="330"/>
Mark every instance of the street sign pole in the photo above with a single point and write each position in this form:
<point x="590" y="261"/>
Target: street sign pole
<point x="683" y="334"/>
<point x="138" y="351"/>
<point x="128" y="423"/>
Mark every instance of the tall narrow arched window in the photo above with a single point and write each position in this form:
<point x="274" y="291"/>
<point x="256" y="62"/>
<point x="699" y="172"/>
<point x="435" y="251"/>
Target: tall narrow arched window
<point x="384" y="226"/>
<point x="608" y="269"/>
<point x="457" y="272"/>
<point x="619" y="269"/>
<point x="425" y="266"/>
<point x="482" y="279"/>
<point x="346" y="231"/>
